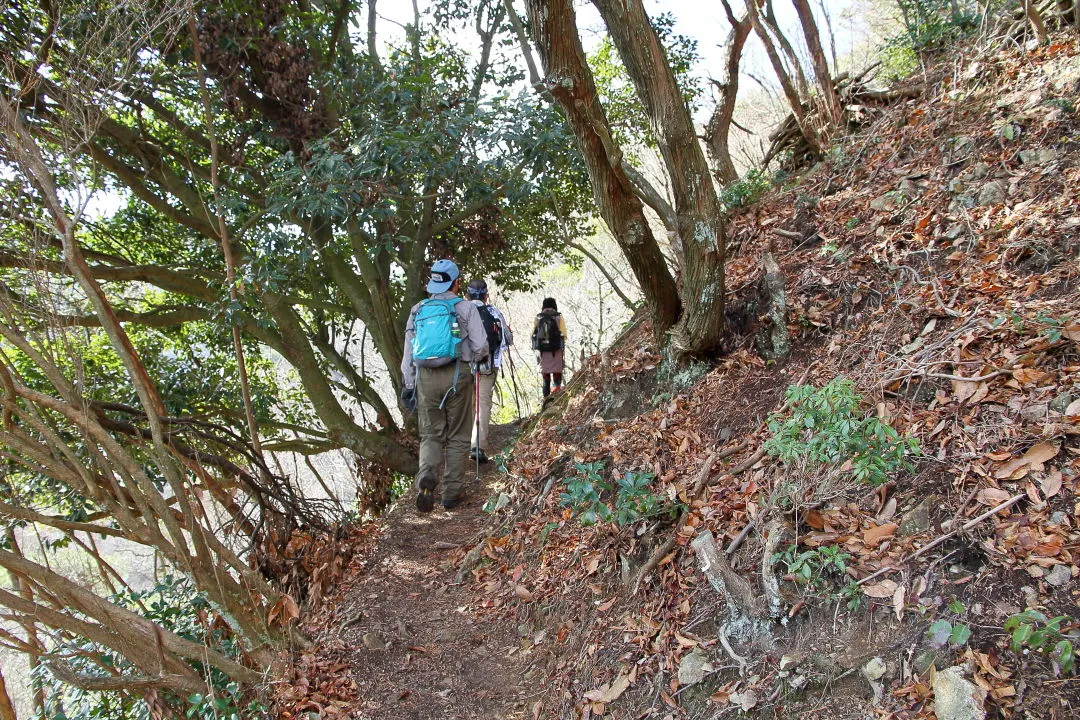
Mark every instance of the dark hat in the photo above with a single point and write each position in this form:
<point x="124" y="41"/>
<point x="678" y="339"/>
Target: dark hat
<point x="477" y="289"/>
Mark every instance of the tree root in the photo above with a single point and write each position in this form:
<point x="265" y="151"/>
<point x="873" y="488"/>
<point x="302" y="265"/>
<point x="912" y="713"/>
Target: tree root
<point x="771" y="586"/>
<point x="735" y="590"/>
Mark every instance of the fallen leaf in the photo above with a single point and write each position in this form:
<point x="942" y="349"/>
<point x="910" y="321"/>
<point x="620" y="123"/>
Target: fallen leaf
<point x="898" y="602"/>
<point x="992" y="496"/>
<point x="1041" y="453"/>
<point x="685" y="642"/>
<point x="283" y="612"/>
<point x="593" y="565"/>
<point x="523" y="593"/>
<point x="1074" y="408"/>
<point x="963" y="389"/>
<point x="1033" y="459"/>
<point x="604" y="607"/>
<point x="872" y="537"/>
<point x="881" y="590"/>
<point x="609" y="693"/>
<point x="1051" y="484"/>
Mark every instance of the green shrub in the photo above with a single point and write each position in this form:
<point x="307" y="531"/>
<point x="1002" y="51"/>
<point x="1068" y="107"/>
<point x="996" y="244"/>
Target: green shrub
<point x="633" y="499"/>
<point x="929" y="25"/>
<point x="1033" y="630"/>
<point x="747" y="190"/>
<point x="828" y="426"/>
<point x="813" y="568"/>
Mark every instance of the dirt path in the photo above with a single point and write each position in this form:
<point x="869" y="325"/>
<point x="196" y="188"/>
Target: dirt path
<point x="419" y="650"/>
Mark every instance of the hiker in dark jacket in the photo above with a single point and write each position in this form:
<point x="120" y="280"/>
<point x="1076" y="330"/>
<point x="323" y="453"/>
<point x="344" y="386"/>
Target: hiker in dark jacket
<point x="444" y="337"/>
<point x="501" y="337"/>
<point x="549" y="341"/>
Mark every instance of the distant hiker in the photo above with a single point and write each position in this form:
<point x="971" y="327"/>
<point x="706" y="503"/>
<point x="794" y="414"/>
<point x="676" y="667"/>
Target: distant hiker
<point x="499" y="337"/>
<point x="549" y="340"/>
<point x="443" y="337"/>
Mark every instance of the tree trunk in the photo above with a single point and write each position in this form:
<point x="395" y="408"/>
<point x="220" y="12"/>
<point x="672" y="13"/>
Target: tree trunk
<point x="697" y="206"/>
<point x="798" y="111"/>
<point x="1036" y="20"/>
<point x="829" y="96"/>
<point x="571" y="83"/>
<point x="7" y="710"/>
<point x="719" y="128"/>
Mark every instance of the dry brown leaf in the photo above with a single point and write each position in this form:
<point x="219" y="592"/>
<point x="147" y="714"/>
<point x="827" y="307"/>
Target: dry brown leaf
<point x="872" y="537"/>
<point x="1051" y="484"/>
<point x="881" y="590"/>
<point x="1073" y="408"/>
<point x="898" y="602"/>
<point x="964" y="390"/>
<point x="1041" y="453"/>
<point x="609" y="693"/>
<point x="523" y="593"/>
<point x="992" y="496"/>
<point x="685" y="642"/>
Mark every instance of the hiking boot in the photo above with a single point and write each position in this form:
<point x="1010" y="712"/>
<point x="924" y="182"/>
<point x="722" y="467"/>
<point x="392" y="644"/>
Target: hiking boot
<point x="425" y="497"/>
<point x="475" y="451"/>
<point x="451" y="503"/>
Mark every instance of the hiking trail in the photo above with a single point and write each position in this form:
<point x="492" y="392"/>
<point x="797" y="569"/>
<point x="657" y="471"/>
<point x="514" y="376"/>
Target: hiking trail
<point x="408" y="634"/>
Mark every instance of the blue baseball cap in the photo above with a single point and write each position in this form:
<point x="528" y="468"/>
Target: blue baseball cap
<point x="443" y="274"/>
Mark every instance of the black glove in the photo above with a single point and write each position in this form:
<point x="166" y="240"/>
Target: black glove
<point x="408" y="398"/>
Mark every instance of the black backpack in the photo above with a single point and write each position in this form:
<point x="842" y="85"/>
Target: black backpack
<point x="494" y="328"/>
<point x="548" y="337"/>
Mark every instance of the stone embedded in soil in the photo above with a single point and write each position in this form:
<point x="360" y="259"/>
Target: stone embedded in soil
<point x="1059" y="576"/>
<point x="917" y="520"/>
<point x="1040" y="156"/>
<point x="373" y="642"/>
<point x="693" y="666"/>
<point x="993" y="192"/>
<point x="955" y="698"/>
<point x="874" y="669"/>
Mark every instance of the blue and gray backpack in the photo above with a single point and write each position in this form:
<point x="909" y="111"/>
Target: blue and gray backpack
<point x="437" y="335"/>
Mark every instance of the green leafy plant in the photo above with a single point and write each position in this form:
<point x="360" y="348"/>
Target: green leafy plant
<point x="1033" y="630"/>
<point x="827" y="426"/>
<point x="747" y="190"/>
<point x="813" y="568"/>
<point x="943" y="632"/>
<point x="851" y="595"/>
<point x="583" y="493"/>
<point x="632" y="497"/>
<point x="634" y="500"/>
<point x="1053" y="328"/>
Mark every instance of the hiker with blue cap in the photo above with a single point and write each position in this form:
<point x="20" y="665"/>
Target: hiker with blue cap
<point x="445" y="340"/>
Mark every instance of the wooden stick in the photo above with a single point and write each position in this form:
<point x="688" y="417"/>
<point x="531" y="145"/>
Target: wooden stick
<point x="665" y="548"/>
<point x="699" y="486"/>
<point x="966" y="526"/>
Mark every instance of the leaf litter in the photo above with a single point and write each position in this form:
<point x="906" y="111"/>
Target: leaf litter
<point x="959" y="322"/>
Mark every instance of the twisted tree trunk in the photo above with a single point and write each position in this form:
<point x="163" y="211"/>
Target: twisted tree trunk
<point x="700" y="219"/>
<point x="571" y="83"/>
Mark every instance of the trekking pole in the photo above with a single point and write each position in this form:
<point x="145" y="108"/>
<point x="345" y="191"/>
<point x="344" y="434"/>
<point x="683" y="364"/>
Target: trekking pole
<point x="513" y="382"/>
<point x="476" y="411"/>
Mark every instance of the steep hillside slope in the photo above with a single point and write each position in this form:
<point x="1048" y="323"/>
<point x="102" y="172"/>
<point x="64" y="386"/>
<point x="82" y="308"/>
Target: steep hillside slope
<point x="932" y="260"/>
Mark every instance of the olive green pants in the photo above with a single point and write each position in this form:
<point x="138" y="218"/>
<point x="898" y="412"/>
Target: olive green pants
<point x="445" y="432"/>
